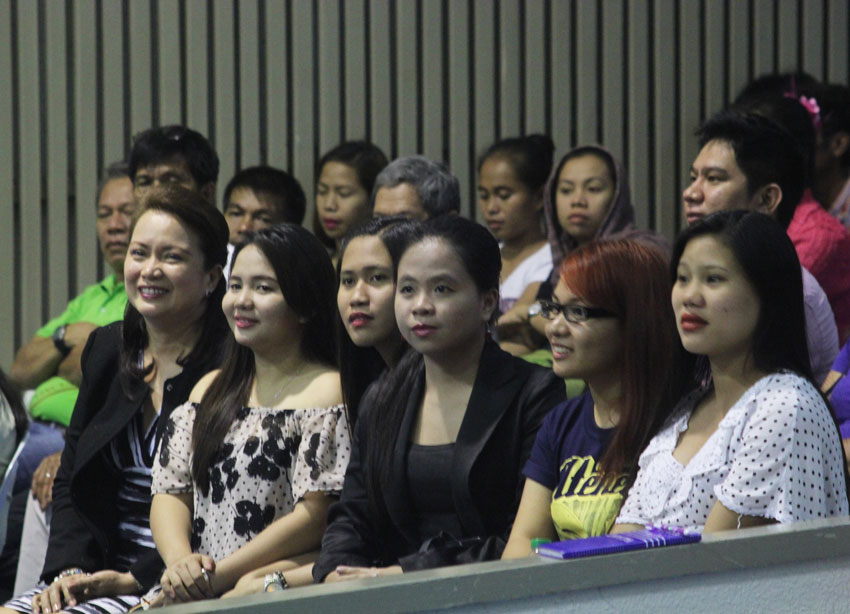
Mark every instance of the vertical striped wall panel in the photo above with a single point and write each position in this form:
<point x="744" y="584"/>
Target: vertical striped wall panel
<point x="281" y="81"/>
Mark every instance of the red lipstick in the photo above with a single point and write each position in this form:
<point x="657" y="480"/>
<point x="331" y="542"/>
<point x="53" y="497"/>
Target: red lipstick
<point x="358" y="319"/>
<point x="691" y="322"/>
<point x="423" y="330"/>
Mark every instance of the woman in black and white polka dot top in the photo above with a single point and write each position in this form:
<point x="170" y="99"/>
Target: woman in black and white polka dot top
<point x="758" y="443"/>
<point x="247" y="468"/>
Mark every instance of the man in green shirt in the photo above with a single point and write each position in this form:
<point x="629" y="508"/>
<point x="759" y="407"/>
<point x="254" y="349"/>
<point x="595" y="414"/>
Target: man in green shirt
<point x="50" y="362"/>
<point x="165" y="155"/>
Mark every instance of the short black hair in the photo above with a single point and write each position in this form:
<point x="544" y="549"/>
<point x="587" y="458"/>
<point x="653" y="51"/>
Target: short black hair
<point x="160" y="144"/>
<point x="282" y="190"/>
<point x="764" y="151"/>
<point x="789" y="113"/>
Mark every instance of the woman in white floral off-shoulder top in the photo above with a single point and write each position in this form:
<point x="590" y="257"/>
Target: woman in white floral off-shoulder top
<point x="758" y="444"/>
<point x="248" y="466"/>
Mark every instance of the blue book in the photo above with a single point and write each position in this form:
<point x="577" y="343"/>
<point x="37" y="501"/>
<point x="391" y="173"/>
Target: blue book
<point x="619" y="542"/>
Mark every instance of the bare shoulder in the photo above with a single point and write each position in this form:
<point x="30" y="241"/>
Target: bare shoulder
<point x="325" y="389"/>
<point x="202" y="385"/>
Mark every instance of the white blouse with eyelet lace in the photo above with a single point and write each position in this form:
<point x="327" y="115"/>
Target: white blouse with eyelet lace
<point x="776" y="454"/>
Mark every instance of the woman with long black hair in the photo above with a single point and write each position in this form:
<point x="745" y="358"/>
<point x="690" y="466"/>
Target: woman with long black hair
<point x="245" y="473"/>
<point x="434" y="477"/>
<point x="369" y="339"/>
<point x="757" y="442"/>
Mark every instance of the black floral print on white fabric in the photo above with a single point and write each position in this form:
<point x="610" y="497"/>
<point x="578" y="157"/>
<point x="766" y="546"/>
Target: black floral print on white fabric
<point x="269" y="460"/>
<point x="251" y="518"/>
<point x="164" y="448"/>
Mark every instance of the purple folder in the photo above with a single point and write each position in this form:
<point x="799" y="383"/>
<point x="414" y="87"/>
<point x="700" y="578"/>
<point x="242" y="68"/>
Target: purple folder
<point x="620" y="542"/>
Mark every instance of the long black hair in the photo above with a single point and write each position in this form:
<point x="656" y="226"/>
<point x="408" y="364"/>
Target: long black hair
<point x="306" y="278"/>
<point x="208" y="226"/>
<point x="16" y="405"/>
<point x="768" y="258"/>
<point x="360" y="366"/>
<point x="479" y="252"/>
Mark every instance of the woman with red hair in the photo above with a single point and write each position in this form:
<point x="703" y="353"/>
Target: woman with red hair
<point x="610" y="323"/>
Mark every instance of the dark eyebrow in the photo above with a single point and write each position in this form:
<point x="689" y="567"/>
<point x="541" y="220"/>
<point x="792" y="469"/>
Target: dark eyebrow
<point x="265" y="211"/>
<point x="172" y="246"/>
<point x="442" y="277"/>
<point x="368" y="269"/>
<point x="264" y="278"/>
<point x="256" y="278"/>
<point x="715" y="169"/>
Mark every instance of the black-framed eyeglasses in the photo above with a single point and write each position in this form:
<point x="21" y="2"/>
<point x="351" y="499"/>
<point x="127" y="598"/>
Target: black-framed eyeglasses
<point x="573" y="313"/>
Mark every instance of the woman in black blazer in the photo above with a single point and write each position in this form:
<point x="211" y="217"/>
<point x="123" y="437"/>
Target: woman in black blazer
<point x="134" y="373"/>
<point x="434" y="477"/>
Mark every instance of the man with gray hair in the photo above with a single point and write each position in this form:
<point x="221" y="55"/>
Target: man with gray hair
<point x="416" y="187"/>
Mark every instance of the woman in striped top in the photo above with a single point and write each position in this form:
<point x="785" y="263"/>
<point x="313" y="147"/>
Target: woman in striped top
<point x="101" y="556"/>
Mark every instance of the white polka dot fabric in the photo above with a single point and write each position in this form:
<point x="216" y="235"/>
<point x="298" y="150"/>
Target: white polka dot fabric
<point x="776" y="454"/>
<point x="269" y="459"/>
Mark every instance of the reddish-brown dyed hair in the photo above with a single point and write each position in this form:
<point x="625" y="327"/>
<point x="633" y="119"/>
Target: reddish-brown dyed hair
<point x="631" y="279"/>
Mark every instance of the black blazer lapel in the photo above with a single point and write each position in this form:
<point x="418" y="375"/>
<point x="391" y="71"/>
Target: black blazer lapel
<point x="396" y="496"/>
<point x="117" y="412"/>
<point x="494" y="390"/>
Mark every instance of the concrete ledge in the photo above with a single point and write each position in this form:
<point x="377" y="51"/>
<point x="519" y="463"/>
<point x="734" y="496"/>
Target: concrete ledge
<point x="531" y="585"/>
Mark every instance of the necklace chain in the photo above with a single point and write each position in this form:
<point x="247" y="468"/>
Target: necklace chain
<point x="285" y="386"/>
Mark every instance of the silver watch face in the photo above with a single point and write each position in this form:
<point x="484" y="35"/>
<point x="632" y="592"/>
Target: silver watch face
<point x="59" y="334"/>
<point x="274" y="582"/>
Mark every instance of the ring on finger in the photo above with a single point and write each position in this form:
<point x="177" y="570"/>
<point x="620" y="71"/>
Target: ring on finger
<point x="205" y="574"/>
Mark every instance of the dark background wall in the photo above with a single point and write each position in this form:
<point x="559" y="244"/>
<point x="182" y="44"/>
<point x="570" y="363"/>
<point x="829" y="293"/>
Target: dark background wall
<point x="280" y="81"/>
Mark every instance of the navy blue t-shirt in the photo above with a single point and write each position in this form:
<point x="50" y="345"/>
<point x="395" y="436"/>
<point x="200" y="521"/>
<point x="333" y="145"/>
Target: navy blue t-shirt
<point x="568" y="447"/>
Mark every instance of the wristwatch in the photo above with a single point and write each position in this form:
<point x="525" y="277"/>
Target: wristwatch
<point x="535" y="309"/>
<point x="59" y="341"/>
<point x="274" y="582"/>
